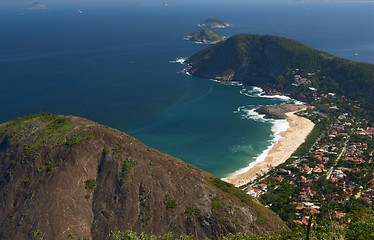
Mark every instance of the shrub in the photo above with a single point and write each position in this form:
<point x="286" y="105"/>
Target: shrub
<point x="126" y="167"/>
<point x="216" y="203"/>
<point x="79" y="138"/>
<point x="90" y="183"/>
<point x="106" y="149"/>
<point x="170" y="202"/>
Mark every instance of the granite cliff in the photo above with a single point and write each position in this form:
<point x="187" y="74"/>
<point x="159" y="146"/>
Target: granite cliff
<point x="65" y="176"/>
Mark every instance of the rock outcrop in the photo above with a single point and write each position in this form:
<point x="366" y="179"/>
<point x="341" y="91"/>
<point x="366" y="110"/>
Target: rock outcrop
<point x="65" y="176"/>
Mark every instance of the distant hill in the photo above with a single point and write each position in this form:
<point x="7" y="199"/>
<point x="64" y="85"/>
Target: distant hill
<point x="67" y="177"/>
<point x="205" y="36"/>
<point x="37" y="6"/>
<point x="214" y="22"/>
<point x="270" y="61"/>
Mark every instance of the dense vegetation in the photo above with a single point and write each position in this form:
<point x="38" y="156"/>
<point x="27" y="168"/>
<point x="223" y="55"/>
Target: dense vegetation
<point x="361" y="227"/>
<point x="270" y="61"/>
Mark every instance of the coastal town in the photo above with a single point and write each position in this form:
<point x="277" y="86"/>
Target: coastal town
<point x="331" y="173"/>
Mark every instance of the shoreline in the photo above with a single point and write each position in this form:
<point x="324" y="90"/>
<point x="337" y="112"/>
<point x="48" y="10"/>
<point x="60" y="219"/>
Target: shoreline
<point x="292" y="138"/>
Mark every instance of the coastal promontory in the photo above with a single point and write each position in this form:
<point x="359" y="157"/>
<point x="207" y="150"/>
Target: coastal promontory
<point x="285" y="65"/>
<point x="205" y="36"/>
<point x="214" y="22"/>
<point x="277" y="111"/>
<point x="67" y="177"/>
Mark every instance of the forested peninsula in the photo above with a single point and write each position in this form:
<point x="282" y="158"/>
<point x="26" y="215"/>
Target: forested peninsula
<point x="286" y="65"/>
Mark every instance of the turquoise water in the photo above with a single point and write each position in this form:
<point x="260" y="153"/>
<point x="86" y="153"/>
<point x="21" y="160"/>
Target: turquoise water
<point x="114" y="64"/>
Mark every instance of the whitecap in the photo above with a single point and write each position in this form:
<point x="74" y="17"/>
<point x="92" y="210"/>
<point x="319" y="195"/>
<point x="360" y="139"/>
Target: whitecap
<point x="180" y="60"/>
<point x="249" y="112"/>
<point x="185" y="71"/>
<point x="253" y="92"/>
<point x="228" y="83"/>
<point x="215" y="80"/>
<point x="231" y="83"/>
<point x="259" y="92"/>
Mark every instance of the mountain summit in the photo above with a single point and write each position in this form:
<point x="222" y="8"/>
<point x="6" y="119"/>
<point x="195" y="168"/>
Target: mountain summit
<point x="65" y="176"/>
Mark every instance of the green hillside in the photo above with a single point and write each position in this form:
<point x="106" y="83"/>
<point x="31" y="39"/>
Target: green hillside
<point x="214" y="22"/>
<point x="205" y="36"/>
<point x="271" y="61"/>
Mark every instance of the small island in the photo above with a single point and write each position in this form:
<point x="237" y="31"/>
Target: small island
<point x="205" y="36"/>
<point x="37" y="6"/>
<point x="214" y="22"/>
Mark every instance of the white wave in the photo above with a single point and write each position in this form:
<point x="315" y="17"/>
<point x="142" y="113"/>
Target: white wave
<point x="257" y="89"/>
<point x="180" y="60"/>
<point x="239" y="109"/>
<point x="280" y="97"/>
<point x="229" y="83"/>
<point x="298" y="102"/>
<point x="252" y="114"/>
<point x="204" y="43"/>
<point x="259" y="92"/>
<point x="215" y="80"/>
<point x="249" y="112"/>
<point x="185" y="71"/>
<point x="278" y="127"/>
<point x="253" y="92"/>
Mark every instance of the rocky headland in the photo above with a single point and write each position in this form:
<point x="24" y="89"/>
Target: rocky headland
<point x="278" y="111"/>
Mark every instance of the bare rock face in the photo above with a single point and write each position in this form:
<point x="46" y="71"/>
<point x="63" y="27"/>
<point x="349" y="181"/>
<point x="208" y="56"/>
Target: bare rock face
<point x="278" y="111"/>
<point x="64" y="176"/>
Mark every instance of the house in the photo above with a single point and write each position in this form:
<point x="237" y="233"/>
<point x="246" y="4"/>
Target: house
<point x="337" y="214"/>
<point x="254" y="192"/>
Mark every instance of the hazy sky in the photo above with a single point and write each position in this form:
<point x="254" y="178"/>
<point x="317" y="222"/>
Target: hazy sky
<point x="29" y="2"/>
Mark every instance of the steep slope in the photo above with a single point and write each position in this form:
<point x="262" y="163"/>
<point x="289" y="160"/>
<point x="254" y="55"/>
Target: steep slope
<point x="269" y="61"/>
<point x="64" y="176"/>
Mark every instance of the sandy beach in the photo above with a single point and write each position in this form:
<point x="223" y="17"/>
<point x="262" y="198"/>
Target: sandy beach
<point x="291" y="139"/>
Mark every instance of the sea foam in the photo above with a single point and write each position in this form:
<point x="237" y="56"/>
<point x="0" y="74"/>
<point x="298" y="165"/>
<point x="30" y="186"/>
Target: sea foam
<point x="259" y="92"/>
<point x="249" y="112"/>
<point x="228" y="83"/>
<point x="180" y="60"/>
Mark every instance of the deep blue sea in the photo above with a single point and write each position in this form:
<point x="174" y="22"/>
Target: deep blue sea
<point x="116" y="64"/>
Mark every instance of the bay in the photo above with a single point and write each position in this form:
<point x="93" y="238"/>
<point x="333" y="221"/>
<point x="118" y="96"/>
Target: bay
<point x="114" y="64"/>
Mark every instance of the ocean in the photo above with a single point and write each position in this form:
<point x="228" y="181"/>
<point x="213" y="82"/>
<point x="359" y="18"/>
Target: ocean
<point x="120" y="64"/>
